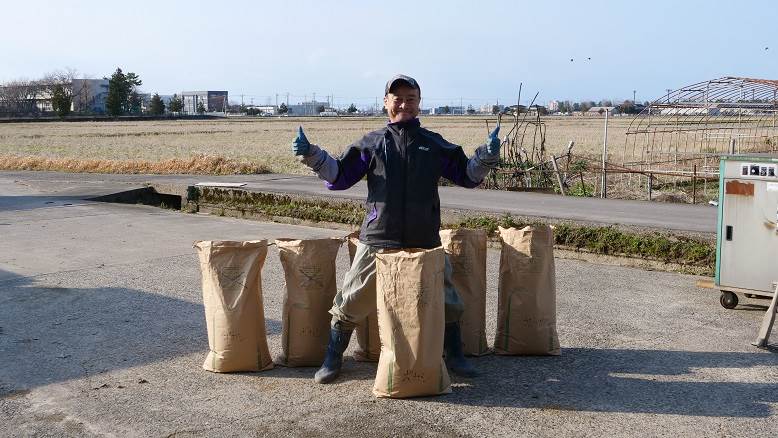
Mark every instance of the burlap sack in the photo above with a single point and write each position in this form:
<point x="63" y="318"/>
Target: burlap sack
<point x="309" y="270"/>
<point x="368" y="342"/>
<point x="466" y="251"/>
<point x="526" y="305"/>
<point x="234" y="313"/>
<point x="411" y="319"/>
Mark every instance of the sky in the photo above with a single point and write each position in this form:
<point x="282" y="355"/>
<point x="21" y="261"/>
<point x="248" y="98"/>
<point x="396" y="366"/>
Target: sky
<point x="473" y="52"/>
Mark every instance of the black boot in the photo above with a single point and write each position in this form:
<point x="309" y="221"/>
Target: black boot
<point x="330" y="369"/>
<point x="455" y="357"/>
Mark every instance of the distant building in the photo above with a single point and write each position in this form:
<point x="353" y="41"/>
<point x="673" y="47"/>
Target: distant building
<point x="89" y="95"/>
<point x="213" y="101"/>
<point x="600" y="110"/>
<point x="447" y="110"/>
<point x="269" y="110"/>
<point x="488" y="108"/>
<point x="553" y="106"/>
<point x="713" y="110"/>
<point x="307" y="108"/>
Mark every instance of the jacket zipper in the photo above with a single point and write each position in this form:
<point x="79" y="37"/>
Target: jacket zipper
<point x="405" y="182"/>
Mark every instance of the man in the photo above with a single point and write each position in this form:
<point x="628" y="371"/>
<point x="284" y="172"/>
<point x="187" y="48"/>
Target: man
<point x="403" y="163"/>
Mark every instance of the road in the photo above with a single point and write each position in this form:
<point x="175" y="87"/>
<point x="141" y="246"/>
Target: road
<point x="102" y="334"/>
<point x="656" y="215"/>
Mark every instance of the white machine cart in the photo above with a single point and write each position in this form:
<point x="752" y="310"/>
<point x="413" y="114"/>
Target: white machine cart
<point x="747" y="235"/>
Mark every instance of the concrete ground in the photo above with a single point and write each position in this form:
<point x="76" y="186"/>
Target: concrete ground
<point x="102" y="333"/>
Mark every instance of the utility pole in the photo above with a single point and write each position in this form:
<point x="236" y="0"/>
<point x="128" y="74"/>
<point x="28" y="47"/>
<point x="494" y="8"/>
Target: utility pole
<point x="276" y="100"/>
<point x="633" y="97"/>
<point x="241" y="100"/>
<point x="604" y="190"/>
<point x="668" y="94"/>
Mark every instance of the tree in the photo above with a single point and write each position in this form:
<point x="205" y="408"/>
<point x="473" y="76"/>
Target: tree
<point x="627" y="107"/>
<point x="156" y="106"/>
<point x="200" y="107"/>
<point x="59" y="87"/>
<point x="351" y="109"/>
<point x="114" y="102"/>
<point x="446" y="109"/>
<point x="122" y="93"/>
<point x="283" y="109"/>
<point x="320" y="109"/>
<point x="176" y="104"/>
<point x="495" y="109"/>
<point x="470" y="109"/>
<point x="61" y="99"/>
<point x="135" y="103"/>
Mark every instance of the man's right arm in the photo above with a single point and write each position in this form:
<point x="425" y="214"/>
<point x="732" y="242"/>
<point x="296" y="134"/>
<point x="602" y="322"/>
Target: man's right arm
<point x="339" y="174"/>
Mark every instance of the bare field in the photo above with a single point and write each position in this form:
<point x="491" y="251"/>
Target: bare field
<point x="252" y="143"/>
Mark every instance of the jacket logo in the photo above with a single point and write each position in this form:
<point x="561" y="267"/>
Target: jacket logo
<point x="423" y="148"/>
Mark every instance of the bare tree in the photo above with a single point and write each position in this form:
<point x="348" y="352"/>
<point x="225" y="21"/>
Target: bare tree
<point x="25" y="97"/>
<point x="18" y="98"/>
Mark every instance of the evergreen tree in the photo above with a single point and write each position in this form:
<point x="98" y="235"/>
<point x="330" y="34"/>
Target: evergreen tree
<point x="114" y="102"/>
<point x="200" y="107"/>
<point x="61" y="100"/>
<point x="156" y="106"/>
<point x="135" y="103"/>
<point x="176" y="104"/>
<point x="283" y="109"/>
<point x="122" y="93"/>
<point x="352" y="109"/>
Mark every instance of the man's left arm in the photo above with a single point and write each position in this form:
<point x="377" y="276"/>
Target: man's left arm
<point x="471" y="172"/>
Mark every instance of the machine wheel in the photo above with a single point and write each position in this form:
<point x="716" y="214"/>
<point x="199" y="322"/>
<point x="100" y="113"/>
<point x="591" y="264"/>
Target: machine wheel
<point x="728" y="299"/>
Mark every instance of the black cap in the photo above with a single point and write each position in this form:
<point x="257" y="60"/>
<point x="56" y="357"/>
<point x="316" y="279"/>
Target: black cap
<point x="401" y="78"/>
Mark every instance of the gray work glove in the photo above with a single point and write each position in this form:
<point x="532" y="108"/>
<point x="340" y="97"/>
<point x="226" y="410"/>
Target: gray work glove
<point x="486" y="157"/>
<point x="316" y="158"/>
<point x="301" y="145"/>
<point x="492" y="142"/>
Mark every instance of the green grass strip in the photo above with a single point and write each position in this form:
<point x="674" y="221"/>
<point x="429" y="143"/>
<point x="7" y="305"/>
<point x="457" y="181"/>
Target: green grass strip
<point x="594" y="239"/>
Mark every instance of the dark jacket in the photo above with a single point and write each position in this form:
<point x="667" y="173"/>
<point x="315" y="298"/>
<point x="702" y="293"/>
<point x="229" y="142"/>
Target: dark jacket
<point x="403" y="163"/>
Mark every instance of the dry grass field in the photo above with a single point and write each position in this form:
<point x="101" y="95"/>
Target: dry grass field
<point x="242" y="145"/>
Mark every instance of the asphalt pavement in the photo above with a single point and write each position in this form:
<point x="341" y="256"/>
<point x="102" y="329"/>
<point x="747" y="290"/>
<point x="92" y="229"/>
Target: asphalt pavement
<point x="642" y="214"/>
<point x="102" y="333"/>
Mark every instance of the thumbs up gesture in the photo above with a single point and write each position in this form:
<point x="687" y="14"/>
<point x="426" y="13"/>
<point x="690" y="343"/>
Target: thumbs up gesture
<point x="301" y="145"/>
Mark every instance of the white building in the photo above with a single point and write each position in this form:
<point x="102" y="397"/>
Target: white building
<point x="307" y="108"/>
<point x="553" y="106"/>
<point x="212" y="101"/>
<point x="269" y="110"/>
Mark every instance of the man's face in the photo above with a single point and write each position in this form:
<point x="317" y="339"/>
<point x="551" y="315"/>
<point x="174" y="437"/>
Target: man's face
<point x="402" y="103"/>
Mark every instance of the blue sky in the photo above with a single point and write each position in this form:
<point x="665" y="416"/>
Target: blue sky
<point x="477" y="51"/>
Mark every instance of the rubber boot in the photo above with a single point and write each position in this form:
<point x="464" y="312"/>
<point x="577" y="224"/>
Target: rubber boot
<point x="455" y="357"/>
<point x="330" y="369"/>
